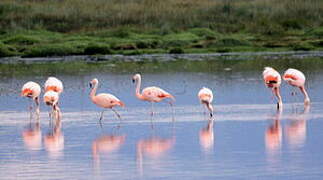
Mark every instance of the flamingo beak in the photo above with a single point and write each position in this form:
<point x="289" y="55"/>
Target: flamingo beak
<point x="133" y="80"/>
<point x="90" y="84"/>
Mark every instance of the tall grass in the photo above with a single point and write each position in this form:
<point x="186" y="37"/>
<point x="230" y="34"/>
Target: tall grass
<point x="226" y="16"/>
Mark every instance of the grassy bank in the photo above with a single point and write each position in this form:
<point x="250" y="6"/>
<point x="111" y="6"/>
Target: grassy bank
<point x="33" y="28"/>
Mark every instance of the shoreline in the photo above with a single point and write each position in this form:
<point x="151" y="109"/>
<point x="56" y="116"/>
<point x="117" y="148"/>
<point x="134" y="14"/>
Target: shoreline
<point x="167" y="57"/>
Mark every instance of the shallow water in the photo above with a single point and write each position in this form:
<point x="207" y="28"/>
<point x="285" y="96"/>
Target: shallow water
<point x="247" y="139"/>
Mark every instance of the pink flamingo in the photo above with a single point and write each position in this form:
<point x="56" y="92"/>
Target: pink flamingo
<point x="104" y="100"/>
<point x="32" y="90"/>
<point x="152" y="94"/>
<point x="53" y="88"/>
<point x="272" y="80"/>
<point x="296" y="78"/>
<point x="54" y="84"/>
<point x="51" y="99"/>
<point x="206" y="97"/>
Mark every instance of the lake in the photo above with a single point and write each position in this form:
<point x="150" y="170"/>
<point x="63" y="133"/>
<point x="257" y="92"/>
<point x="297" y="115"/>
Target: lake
<point x="247" y="138"/>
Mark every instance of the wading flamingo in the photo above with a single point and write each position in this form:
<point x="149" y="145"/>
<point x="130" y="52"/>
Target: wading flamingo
<point x="206" y="97"/>
<point x="54" y="84"/>
<point x="104" y="100"/>
<point x="152" y="94"/>
<point x="296" y="78"/>
<point x="32" y="90"/>
<point x="51" y="99"/>
<point x="272" y="80"/>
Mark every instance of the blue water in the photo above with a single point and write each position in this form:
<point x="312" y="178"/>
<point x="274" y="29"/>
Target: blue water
<point x="247" y="139"/>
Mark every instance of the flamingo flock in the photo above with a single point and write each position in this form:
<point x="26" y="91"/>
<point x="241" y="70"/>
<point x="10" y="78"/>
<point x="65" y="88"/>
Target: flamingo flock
<point x="53" y="87"/>
<point x="293" y="77"/>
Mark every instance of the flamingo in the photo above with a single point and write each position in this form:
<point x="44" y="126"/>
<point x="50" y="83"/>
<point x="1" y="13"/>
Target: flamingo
<point x="272" y="80"/>
<point x="151" y="94"/>
<point x="51" y="99"/>
<point x="206" y="97"/>
<point x="32" y="90"/>
<point x="104" y="100"/>
<point x="296" y="78"/>
<point x="54" y="84"/>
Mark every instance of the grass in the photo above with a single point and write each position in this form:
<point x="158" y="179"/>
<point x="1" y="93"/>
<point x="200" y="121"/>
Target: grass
<point x="33" y="28"/>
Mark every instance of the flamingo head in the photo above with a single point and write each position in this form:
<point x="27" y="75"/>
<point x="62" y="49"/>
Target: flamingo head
<point x="93" y="82"/>
<point x="136" y="77"/>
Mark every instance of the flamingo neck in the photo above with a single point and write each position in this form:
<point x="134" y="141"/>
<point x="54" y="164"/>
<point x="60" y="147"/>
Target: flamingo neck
<point x="93" y="91"/>
<point x="307" y="98"/>
<point x="139" y="96"/>
<point x="280" y="101"/>
<point x="209" y="107"/>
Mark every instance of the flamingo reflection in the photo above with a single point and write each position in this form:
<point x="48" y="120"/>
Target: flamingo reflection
<point x="154" y="147"/>
<point x="32" y="136"/>
<point x="207" y="136"/>
<point x="273" y="136"/>
<point x="54" y="140"/>
<point x="106" y="144"/>
<point x="296" y="130"/>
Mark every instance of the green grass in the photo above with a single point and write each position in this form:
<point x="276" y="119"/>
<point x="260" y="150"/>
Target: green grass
<point x="33" y="28"/>
<point x="33" y="43"/>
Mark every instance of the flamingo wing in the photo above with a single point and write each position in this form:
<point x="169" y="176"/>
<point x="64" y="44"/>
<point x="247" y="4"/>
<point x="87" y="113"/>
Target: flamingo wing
<point x="106" y="100"/>
<point x="155" y="94"/>
<point x="54" y="84"/>
<point x="31" y="89"/>
<point x="271" y="77"/>
<point x="294" y="77"/>
<point x="205" y="94"/>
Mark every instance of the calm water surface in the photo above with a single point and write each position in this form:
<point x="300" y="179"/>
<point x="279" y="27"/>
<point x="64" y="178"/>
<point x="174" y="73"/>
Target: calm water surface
<point x="247" y="139"/>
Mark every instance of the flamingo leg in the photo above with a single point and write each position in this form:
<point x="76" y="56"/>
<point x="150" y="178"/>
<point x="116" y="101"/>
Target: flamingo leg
<point x="37" y="107"/>
<point x="172" y="107"/>
<point x="117" y="114"/>
<point x="277" y="93"/>
<point x="101" y="117"/>
<point x="152" y="109"/>
<point x="30" y="108"/>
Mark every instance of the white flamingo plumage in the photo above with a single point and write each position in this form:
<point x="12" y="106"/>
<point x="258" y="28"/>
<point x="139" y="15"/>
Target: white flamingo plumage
<point x="205" y="96"/>
<point x="296" y="78"/>
<point x="272" y="80"/>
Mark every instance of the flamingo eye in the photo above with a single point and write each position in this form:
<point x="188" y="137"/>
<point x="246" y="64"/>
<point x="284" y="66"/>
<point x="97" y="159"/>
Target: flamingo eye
<point x="111" y="102"/>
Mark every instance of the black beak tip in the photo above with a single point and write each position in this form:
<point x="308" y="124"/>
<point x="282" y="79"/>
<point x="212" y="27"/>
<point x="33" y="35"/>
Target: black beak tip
<point x="133" y="81"/>
<point x="211" y="114"/>
<point x="90" y="85"/>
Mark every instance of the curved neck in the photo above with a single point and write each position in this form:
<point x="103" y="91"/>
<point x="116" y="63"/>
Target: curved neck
<point x="277" y="93"/>
<point x="138" y="84"/>
<point x="307" y="98"/>
<point x="93" y="91"/>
